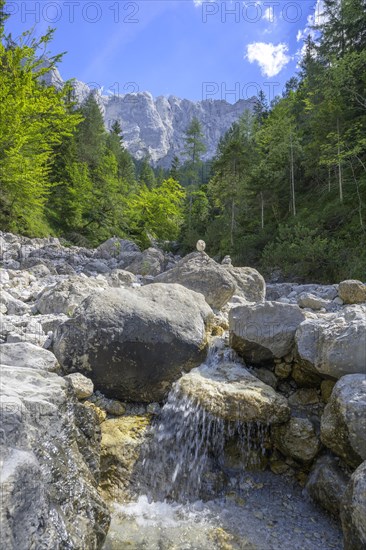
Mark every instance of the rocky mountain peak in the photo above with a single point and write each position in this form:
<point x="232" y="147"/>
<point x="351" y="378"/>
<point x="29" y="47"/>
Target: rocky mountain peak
<point x="156" y="126"/>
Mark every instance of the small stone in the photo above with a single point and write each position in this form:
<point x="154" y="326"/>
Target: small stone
<point x="101" y="415"/>
<point x="153" y="408"/>
<point x="279" y="467"/>
<point x="201" y="245"/>
<point x="304" y="396"/>
<point x="83" y="386"/>
<point x="297" y="439"/>
<point x="326" y="388"/>
<point x="305" y="378"/>
<point x="217" y="331"/>
<point x="114" y="407"/>
<point x="289" y="357"/>
<point x="283" y="370"/>
<point x="266" y="376"/>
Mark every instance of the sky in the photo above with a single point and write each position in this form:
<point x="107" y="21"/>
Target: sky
<point x="193" y="49"/>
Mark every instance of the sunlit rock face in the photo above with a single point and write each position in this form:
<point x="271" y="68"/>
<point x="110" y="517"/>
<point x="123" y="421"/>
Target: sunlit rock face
<point x="157" y="126"/>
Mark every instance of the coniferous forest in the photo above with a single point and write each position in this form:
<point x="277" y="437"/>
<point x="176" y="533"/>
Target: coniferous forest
<point x="286" y="191"/>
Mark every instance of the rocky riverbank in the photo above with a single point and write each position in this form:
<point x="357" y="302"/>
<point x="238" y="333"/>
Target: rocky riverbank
<point x="93" y="341"/>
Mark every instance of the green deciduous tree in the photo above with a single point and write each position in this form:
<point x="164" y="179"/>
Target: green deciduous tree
<point x="34" y="119"/>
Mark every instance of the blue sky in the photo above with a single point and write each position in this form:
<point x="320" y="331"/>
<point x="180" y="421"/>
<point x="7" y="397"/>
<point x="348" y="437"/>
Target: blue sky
<point x="189" y="48"/>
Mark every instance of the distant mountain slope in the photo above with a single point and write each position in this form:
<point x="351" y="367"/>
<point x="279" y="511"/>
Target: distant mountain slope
<point x="157" y="126"/>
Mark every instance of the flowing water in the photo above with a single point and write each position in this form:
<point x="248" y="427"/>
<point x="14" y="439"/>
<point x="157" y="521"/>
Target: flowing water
<point x="195" y="488"/>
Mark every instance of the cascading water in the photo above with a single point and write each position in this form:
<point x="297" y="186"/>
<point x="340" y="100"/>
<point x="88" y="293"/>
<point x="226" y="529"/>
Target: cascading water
<point x="187" y="441"/>
<point x="185" y="459"/>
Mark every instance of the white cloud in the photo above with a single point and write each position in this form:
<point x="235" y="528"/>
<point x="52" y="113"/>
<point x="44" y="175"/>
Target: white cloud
<point x="316" y="18"/>
<point x="270" y="58"/>
<point x="198" y="3"/>
<point x="269" y="15"/>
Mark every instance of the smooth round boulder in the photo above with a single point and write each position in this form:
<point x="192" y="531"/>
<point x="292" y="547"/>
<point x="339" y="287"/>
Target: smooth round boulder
<point x="200" y="273"/>
<point x="134" y="343"/>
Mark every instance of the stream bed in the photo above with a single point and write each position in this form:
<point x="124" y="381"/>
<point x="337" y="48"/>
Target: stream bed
<point x="188" y="497"/>
<point x="263" y="511"/>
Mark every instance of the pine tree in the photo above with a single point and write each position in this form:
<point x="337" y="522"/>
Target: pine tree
<point x="194" y="149"/>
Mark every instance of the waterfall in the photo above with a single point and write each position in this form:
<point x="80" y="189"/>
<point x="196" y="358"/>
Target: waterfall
<point x="186" y="442"/>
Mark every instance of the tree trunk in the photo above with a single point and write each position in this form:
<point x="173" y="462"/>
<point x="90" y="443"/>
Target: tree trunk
<point x="262" y="211"/>
<point x="292" y="179"/>
<point x="339" y="166"/>
<point x="232" y="222"/>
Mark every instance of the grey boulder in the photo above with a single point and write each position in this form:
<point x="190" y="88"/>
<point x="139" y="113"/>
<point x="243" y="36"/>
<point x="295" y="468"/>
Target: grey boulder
<point x="343" y="423"/>
<point x="66" y="295"/>
<point x="259" y="332"/>
<point x="200" y="273"/>
<point x="50" y="465"/>
<point x="353" y="511"/>
<point x="336" y="344"/>
<point x="249" y="283"/>
<point x="352" y="291"/>
<point x="25" y="354"/>
<point x="134" y="343"/>
<point x="327" y="483"/>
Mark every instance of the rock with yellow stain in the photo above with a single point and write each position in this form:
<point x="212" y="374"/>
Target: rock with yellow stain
<point x="101" y="414"/>
<point x="122" y="440"/>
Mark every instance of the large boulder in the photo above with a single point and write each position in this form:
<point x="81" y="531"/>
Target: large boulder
<point x="297" y="439"/>
<point x="115" y="248"/>
<point x="353" y="511"/>
<point x="11" y="305"/>
<point x="262" y="331"/>
<point x="64" y="296"/>
<point x="327" y="483"/>
<point x="306" y="299"/>
<point x="200" y="273"/>
<point x="230" y="392"/>
<point x="343" y="424"/>
<point x="25" y="354"/>
<point x="150" y="262"/>
<point x="134" y="343"/>
<point x="352" y="291"/>
<point x="50" y="465"/>
<point x="336" y="344"/>
<point x="249" y="283"/>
